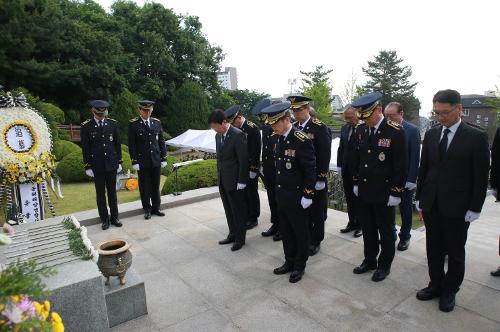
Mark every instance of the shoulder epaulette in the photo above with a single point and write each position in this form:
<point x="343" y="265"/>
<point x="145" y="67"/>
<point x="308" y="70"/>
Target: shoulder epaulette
<point x="272" y="134"/>
<point x="251" y="124"/>
<point x="360" y="124"/>
<point x="85" y="122"/>
<point x="111" y="119"/>
<point x="300" y="135"/>
<point x="134" y="119"/>
<point x="394" y="125"/>
<point x="317" y="121"/>
<point x="155" y="119"/>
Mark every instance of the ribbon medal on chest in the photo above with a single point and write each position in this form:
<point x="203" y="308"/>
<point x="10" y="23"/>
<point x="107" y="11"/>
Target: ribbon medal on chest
<point x="384" y="142"/>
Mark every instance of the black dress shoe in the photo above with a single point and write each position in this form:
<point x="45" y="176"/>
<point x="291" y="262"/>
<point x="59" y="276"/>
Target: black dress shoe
<point x="296" y="275"/>
<point x="447" y="301"/>
<point x="358" y="233"/>
<point x="147" y="215"/>
<point x="116" y="222"/>
<point x="283" y="269"/>
<point x="313" y="249"/>
<point x="251" y="224"/>
<point x="227" y="240"/>
<point x="277" y="236"/>
<point x="348" y="228"/>
<point x="403" y="245"/>
<point x="270" y="232"/>
<point x="380" y="274"/>
<point x="158" y="213"/>
<point x="496" y="273"/>
<point x="364" y="267"/>
<point x="105" y="224"/>
<point x="237" y="246"/>
<point x="428" y="293"/>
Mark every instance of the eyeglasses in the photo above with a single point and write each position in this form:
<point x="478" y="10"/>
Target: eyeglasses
<point x="444" y="113"/>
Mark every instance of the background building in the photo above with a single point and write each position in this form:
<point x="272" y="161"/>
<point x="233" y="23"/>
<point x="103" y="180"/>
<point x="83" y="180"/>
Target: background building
<point x="228" y="78"/>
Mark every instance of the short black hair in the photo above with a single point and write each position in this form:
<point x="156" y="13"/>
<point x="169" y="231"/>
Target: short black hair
<point x="451" y="97"/>
<point x="217" y="116"/>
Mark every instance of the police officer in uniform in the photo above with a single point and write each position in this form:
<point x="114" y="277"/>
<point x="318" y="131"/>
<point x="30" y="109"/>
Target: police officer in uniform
<point x="147" y="149"/>
<point x="268" y="168"/>
<point x="236" y="118"/>
<point x="102" y="156"/>
<point x="319" y="134"/>
<point x="379" y="173"/>
<point x="295" y="180"/>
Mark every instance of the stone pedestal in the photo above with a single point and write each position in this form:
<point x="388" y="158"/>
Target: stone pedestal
<point x="125" y="302"/>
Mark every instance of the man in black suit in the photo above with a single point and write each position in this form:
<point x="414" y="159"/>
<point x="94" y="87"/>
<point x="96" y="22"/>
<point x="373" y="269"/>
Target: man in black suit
<point x="147" y="149"/>
<point x="451" y="189"/>
<point x="379" y="173"/>
<point x="345" y="158"/>
<point x="319" y="134"/>
<point x="102" y="156"/>
<point x="295" y="180"/>
<point x="232" y="171"/>
<point x="236" y="118"/>
<point x="495" y="178"/>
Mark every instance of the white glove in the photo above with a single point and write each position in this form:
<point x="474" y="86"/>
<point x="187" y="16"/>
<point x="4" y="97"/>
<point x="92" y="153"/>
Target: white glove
<point x="417" y="206"/>
<point x="339" y="171"/>
<point x="306" y="202"/>
<point x="135" y="167"/>
<point x="320" y="185"/>
<point x="261" y="170"/>
<point x="89" y="172"/>
<point x="252" y="175"/>
<point x="410" y="186"/>
<point x="240" y="186"/>
<point x="470" y="216"/>
<point x="393" y="201"/>
<point x="163" y="164"/>
<point x="119" y="168"/>
<point x="355" y="190"/>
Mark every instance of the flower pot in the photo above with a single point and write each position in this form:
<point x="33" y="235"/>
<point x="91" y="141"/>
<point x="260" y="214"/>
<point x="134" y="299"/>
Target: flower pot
<point x="115" y="259"/>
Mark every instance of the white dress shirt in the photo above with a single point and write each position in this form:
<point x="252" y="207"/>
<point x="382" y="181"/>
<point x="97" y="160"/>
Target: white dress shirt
<point x="453" y="129"/>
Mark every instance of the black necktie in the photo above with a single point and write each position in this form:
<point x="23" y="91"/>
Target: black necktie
<point x="300" y="127"/>
<point x="100" y="123"/>
<point x="350" y="134"/>
<point x="443" y="144"/>
<point x="372" y="133"/>
<point x="222" y="140"/>
<point x="146" y="123"/>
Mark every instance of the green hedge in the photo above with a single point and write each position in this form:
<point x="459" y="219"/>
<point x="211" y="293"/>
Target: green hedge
<point x="199" y="175"/>
<point x="63" y="148"/>
<point x="170" y="161"/>
<point x="127" y="163"/>
<point x="71" y="168"/>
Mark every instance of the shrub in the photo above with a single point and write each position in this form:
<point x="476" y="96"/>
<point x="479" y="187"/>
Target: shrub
<point x="63" y="148"/>
<point x="199" y="175"/>
<point x="127" y="162"/>
<point x="170" y="161"/>
<point x="71" y="168"/>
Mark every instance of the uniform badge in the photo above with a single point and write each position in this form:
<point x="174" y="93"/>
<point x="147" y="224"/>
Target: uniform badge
<point x="111" y="138"/>
<point x="384" y="142"/>
<point x="288" y="165"/>
<point x="381" y="156"/>
<point x="290" y="152"/>
<point x="310" y="135"/>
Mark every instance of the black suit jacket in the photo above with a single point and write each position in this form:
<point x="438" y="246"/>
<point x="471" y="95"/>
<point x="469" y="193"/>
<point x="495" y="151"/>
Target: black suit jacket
<point x="459" y="181"/>
<point x="346" y="150"/>
<point x="101" y="147"/>
<point x="146" y="145"/>
<point x="232" y="158"/>
<point x="495" y="161"/>
<point x="254" y="143"/>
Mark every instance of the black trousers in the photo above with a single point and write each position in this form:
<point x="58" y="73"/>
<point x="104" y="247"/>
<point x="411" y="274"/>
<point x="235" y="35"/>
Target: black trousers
<point x="317" y="216"/>
<point x="235" y="207"/>
<point x="149" y="188"/>
<point x="106" y="181"/>
<point x="253" y="200"/>
<point x="351" y="200"/>
<point x="445" y="236"/>
<point x="294" y="228"/>
<point x="378" y="219"/>
<point x="270" y="184"/>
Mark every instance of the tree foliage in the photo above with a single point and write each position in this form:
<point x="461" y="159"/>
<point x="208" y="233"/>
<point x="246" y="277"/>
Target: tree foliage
<point x="387" y="74"/>
<point x="247" y="99"/>
<point x="318" y="75"/>
<point x="320" y="94"/>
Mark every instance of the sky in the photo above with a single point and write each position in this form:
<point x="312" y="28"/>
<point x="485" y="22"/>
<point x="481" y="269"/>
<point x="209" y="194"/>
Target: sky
<point x="448" y="44"/>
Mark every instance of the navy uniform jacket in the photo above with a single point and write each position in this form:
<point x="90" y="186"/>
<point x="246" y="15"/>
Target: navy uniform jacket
<point x="347" y="149"/>
<point x="254" y="145"/>
<point x="146" y="145"/>
<point x="295" y="164"/>
<point x="380" y="165"/>
<point x="495" y="162"/>
<point x="269" y="139"/>
<point x="459" y="181"/>
<point x="413" y="140"/>
<point x="319" y="134"/>
<point x="101" y="148"/>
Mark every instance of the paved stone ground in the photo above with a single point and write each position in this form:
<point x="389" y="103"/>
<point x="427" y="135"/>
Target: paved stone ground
<point x="192" y="283"/>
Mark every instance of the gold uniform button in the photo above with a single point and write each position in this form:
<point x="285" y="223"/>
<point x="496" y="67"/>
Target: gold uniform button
<point x="366" y="165"/>
<point x="279" y="185"/>
<point x="369" y="151"/>
<point x="104" y="153"/>
<point x="279" y="172"/>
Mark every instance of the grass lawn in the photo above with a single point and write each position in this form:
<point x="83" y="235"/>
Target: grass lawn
<point x="81" y="197"/>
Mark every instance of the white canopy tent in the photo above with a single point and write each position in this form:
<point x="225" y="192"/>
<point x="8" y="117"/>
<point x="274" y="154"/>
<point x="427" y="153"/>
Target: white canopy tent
<point x="204" y="140"/>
